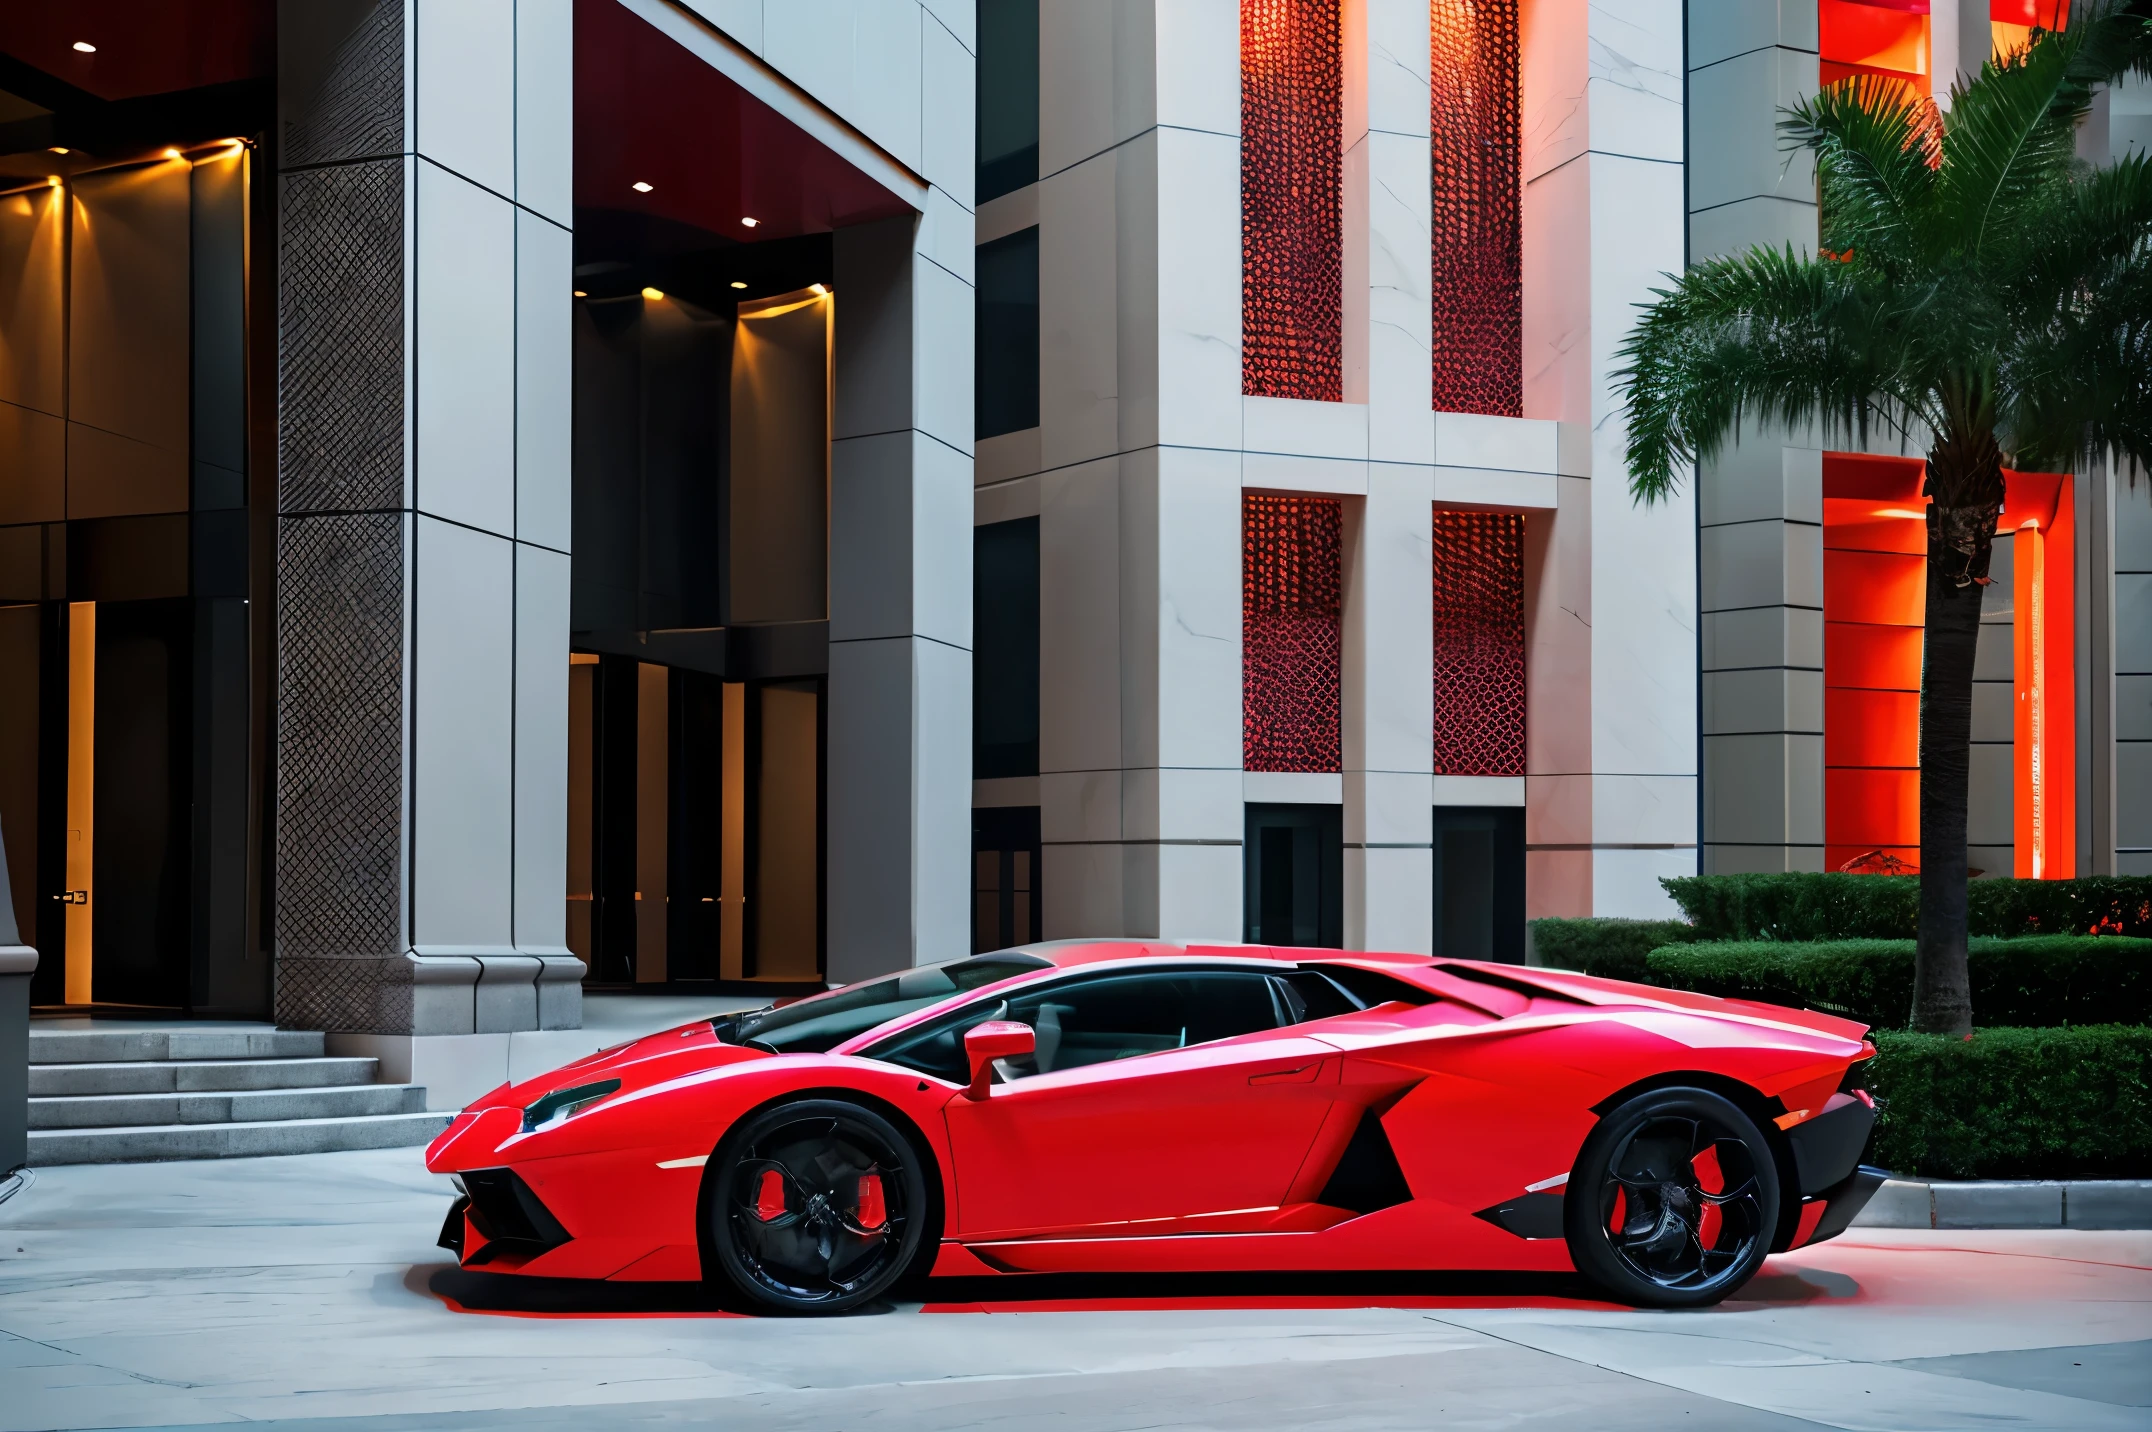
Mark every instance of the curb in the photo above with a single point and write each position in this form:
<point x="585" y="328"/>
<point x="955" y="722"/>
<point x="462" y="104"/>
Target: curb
<point x="2093" y="1203"/>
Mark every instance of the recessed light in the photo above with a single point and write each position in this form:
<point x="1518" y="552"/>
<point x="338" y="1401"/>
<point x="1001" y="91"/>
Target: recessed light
<point x="821" y="289"/>
<point x="640" y="187"/>
<point x="85" y="47"/>
<point x="653" y="294"/>
<point x="580" y="294"/>
<point x="171" y="154"/>
<point x="737" y="284"/>
<point x="750" y="222"/>
<point x="59" y="149"/>
<point x="53" y="180"/>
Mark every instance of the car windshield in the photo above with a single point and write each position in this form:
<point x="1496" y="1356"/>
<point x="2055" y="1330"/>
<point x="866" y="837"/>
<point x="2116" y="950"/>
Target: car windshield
<point x="824" y="1021"/>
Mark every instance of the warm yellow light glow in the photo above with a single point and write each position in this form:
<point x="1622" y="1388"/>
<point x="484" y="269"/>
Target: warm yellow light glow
<point x="640" y="187"/>
<point x="85" y="47"/>
<point x="171" y="154"/>
<point x="737" y="284"/>
<point x="750" y="222"/>
<point x="77" y="863"/>
<point x="580" y="294"/>
<point x="818" y="289"/>
<point x="53" y="180"/>
<point x="59" y="149"/>
<point x="653" y="294"/>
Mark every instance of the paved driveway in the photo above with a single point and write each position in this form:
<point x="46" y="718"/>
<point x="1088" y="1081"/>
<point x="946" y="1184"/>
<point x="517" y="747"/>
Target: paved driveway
<point x="306" y="1292"/>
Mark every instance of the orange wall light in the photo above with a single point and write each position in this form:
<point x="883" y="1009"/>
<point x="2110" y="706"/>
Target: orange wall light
<point x="2038" y="520"/>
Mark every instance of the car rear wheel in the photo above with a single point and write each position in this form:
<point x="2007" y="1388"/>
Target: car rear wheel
<point x="1673" y="1200"/>
<point x="815" y="1206"/>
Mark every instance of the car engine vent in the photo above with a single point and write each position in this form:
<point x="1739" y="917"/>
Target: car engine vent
<point x="1367" y="1176"/>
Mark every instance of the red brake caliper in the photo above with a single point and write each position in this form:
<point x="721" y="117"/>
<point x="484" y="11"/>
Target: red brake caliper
<point x="872" y="1212"/>
<point x="770" y="1196"/>
<point x="1621" y="1206"/>
<point x="1711" y="1179"/>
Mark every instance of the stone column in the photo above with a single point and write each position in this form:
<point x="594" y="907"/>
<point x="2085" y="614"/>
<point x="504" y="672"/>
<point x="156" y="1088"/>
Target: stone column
<point x="424" y="268"/>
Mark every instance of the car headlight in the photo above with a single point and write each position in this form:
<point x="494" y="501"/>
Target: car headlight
<point x="563" y="1104"/>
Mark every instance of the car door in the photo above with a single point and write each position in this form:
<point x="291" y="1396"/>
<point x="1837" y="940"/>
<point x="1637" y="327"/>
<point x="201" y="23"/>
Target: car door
<point x="1154" y="1097"/>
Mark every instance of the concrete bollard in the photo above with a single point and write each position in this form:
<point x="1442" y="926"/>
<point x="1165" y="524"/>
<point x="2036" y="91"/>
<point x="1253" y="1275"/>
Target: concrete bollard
<point x="17" y="962"/>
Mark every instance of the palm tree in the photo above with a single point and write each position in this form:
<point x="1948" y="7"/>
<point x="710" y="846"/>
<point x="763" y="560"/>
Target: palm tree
<point x="1981" y="291"/>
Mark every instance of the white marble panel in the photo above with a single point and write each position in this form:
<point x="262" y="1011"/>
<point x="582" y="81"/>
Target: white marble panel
<point x="1275" y="472"/>
<point x="2133" y="708"/>
<point x="1736" y="228"/>
<point x="1767" y="699"/>
<point x="859" y="57"/>
<point x="948" y="235"/>
<point x="1734" y="150"/>
<point x="1390" y="900"/>
<point x="947" y="115"/>
<point x="1504" y="444"/>
<point x="1101" y="86"/>
<point x="1990" y="795"/>
<point x="466" y="352"/>
<point x="1175" y="803"/>
<point x="2133" y="525"/>
<point x="1079" y="806"/>
<point x="1079" y="338"/>
<point x="1479" y="790"/>
<point x="2133" y="798"/>
<point x="463" y="697"/>
<point x="740" y="19"/>
<point x="870" y="795"/>
<point x="1139" y="268"/>
<point x="943" y="331"/>
<point x="541" y="749"/>
<point x="1557" y="635"/>
<point x="1635" y="87"/>
<point x="1199" y="897"/>
<point x="1400" y="427"/>
<point x="961" y="17"/>
<point x="1761" y="478"/>
<point x="1644" y="637"/>
<point x="876" y="347"/>
<point x="2133" y="619"/>
<point x="1395" y="807"/>
<point x="1006" y="501"/>
<point x="1552" y="74"/>
<point x="545" y="384"/>
<point x="1198" y="52"/>
<point x="1644" y="810"/>
<point x="1758" y="564"/>
<point x="1302" y="428"/>
<point x="941" y="758"/>
<point x="1292" y="787"/>
<point x="1388" y="694"/>
<point x="1352" y="257"/>
<point x="1198" y="346"/>
<point x="1006" y="213"/>
<point x="1625" y="883"/>
<point x="1197" y="617"/>
<point x="1726" y="28"/>
<point x="1080" y="669"/>
<point x="1509" y="491"/>
<point x="466" y="81"/>
<point x="545" y="108"/>
<point x="941" y="523"/>
<point x="1557" y="809"/>
<point x="1397" y="55"/>
<point x="1082" y="898"/>
<point x="1994" y="710"/>
<point x="873" y="507"/>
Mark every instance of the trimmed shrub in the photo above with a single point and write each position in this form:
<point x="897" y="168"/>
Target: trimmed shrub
<point x="1613" y="948"/>
<point x="2015" y="1103"/>
<point x="2056" y="980"/>
<point x="1886" y="907"/>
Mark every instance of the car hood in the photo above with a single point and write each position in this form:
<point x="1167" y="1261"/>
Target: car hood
<point x="637" y="1064"/>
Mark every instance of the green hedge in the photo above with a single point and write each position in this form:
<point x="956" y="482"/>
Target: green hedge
<point x="2051" y="980"/>
<point x="1886" y="907"/>
<point x="2015" y="1103"/>
<point x="1613" y="948"/>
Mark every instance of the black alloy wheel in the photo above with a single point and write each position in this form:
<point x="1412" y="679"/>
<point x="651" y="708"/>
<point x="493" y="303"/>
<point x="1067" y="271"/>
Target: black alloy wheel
<point x="1673" y="1201"/>
<point x="816" y="1206"/>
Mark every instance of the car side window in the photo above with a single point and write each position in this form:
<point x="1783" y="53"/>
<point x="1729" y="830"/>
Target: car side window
<point x="1096" y="1021"/>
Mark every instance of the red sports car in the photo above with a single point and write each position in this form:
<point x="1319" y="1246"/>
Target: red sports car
<point x="1137" y="1107"/>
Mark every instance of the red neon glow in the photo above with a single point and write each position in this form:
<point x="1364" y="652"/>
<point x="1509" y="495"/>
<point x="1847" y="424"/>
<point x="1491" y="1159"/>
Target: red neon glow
<point x="873" y="1211"/>
<point x="1291" y="173"/>
<point x="1479" y="643"/>
<point x="1290" y="638"/>
<point x="1876" y="39"/>
<point x="1478" y="227"/>
<point x="2040" y="512"/>
<point x="770" y="1196"/>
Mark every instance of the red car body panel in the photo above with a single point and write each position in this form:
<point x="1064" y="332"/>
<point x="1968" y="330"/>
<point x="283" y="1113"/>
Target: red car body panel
<point x="1210" y="1157"/>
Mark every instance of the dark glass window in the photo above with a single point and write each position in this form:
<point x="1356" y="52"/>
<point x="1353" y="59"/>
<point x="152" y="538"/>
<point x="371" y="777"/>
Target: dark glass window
<point x="1008" y="96"/>
<point x="1294" y="875"/>
<point x="1005" y="649"/>
<point x="1006" y="381"/>
<point x="1005" y="877"/>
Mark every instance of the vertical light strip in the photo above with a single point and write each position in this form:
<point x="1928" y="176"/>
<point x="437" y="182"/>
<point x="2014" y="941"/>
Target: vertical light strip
<point x="81" y="793"/>
<point x="2036" y="697"/>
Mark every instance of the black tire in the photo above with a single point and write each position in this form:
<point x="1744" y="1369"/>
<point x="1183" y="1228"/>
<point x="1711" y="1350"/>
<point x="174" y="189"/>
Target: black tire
<point x="1638" y="1210"/>
<point x="821" y="1250"/>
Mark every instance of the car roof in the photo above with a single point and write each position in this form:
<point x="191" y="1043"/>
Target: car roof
<point x="1068" y="954"/>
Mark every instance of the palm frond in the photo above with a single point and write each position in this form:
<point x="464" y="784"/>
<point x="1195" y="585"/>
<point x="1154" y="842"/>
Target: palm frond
<point x="1771" y="336"/>
<point x="1872" y="139"/>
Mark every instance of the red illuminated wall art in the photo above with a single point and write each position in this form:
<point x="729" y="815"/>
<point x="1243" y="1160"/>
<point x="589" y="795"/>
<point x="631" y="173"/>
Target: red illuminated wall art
<point x="1479" y="644"/>
<point x="1478" y="225"/>
<point x="1289" y="633"/>
<point x="1290" y="170"/>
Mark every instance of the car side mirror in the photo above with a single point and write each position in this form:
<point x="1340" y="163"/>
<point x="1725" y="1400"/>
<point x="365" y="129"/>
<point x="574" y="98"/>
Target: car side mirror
<point x="995" y="1039"/>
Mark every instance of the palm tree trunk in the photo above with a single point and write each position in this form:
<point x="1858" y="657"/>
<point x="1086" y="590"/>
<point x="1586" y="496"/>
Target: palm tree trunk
<point x="1965" y="480"/>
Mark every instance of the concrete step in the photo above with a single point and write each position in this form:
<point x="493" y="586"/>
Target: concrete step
<point x="166" y="1077"/>
<point x="122" y="1045"/>
<point x="104" y="1111"/>
<point x="150" y="1143"/>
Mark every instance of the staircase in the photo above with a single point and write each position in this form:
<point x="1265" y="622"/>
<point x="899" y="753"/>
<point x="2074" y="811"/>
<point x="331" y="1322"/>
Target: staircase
<point x="115" y="1094"/>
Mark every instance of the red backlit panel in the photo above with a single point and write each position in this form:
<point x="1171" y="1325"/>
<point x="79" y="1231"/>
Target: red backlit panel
<point x="1478" y="228"/>
<point x="1289" y="633"/>
<point x="1290" y="171"/>
<point x="1479" y="644"/>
